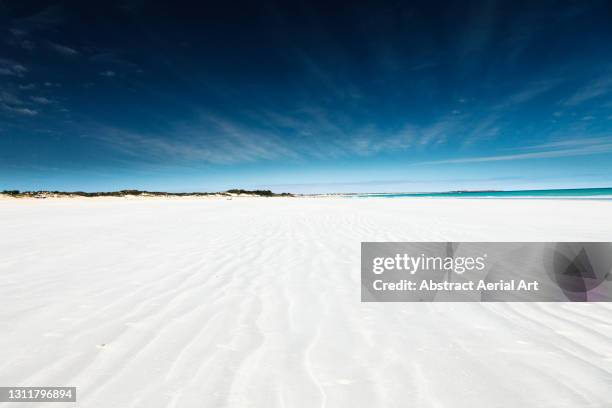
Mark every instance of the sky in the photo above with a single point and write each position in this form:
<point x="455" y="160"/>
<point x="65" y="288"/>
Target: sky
<point x="305" y="96"/>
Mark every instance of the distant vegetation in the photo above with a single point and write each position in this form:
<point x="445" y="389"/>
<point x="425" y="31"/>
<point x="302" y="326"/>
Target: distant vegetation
<point x="123" y="193"/>
<point x="263" y="193"/>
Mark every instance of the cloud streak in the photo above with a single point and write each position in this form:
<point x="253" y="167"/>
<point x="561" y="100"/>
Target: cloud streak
<point x="41" y="100"/>
<point x="209" y="140"/>
<point x="20" y="110"/>
<point x="12" y="68"/>
<point x="63" y="49"/>
<point x="591" y="90"/>
<point x="577" y="149"/>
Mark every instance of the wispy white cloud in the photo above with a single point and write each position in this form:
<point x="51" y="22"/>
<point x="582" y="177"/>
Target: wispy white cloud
<point x="15" y="100"/>
<point x="10" y="67"/>
<point x="21" y="42"/>
<point x="528" y="93"/>
<point x="371" y="141"/>
<point x="19" y="110"/>
<point x="570" y="142"/>
<point x="471" y="125"/>
<point x="10" y="98"/>
<point x="14" y="104"/>
<point x="316" y="132"/>
<point x="459" y="129"/>
<point x="483" y="129"/>
<point x="594" y="89"/>
<point x="439" y="131"/>
<point x="391" y="182"/>
<point x="41" y="100"/>
<point x="63" y="49"/>
<point x="210" y="139"/>
<point x="45" y="19"/>
<point x="17" y="32"/>
<point x="554" y="150"/>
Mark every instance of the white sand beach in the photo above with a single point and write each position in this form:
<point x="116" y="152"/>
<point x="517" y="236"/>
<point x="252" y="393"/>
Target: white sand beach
<point x="255" y="302"/>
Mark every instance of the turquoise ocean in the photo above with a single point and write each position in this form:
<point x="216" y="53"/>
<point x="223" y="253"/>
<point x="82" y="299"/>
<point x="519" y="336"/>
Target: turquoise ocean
<point x="576" y="193"/>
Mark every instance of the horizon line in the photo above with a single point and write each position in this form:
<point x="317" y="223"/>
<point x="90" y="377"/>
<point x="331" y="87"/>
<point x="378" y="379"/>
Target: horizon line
<point x="271" y="192"/>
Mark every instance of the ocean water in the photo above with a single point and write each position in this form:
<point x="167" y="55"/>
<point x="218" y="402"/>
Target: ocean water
<point x="577" y="193"/>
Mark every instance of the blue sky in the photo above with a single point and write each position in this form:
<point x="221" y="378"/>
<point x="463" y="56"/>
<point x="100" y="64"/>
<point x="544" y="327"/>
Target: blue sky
<point x="312" y="97"/>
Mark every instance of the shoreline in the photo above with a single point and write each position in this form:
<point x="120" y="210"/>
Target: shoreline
<point x="4" y="197"/>
<point x="588" y="193"/>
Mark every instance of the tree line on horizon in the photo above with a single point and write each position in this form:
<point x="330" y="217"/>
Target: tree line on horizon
<point x="123" y="193"/>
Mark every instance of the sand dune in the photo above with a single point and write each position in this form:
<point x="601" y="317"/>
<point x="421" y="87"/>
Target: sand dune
<point x="256" y="303"/>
